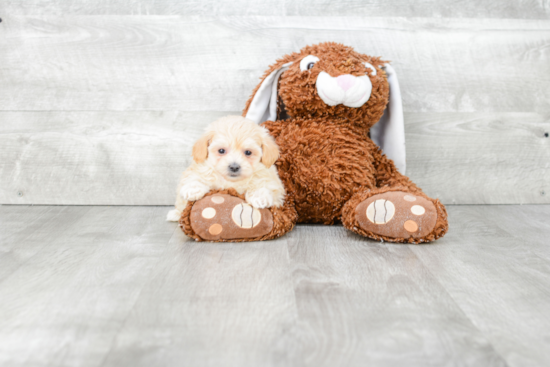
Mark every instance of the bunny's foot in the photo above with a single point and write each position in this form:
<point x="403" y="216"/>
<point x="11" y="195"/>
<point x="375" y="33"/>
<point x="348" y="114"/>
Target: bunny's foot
<point x="395" y="216"/>
<point x="225" y="216"/>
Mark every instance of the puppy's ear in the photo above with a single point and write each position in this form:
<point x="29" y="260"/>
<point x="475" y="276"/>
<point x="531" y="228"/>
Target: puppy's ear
<point x="270" y="150"/>
<point x="200" y="149"/>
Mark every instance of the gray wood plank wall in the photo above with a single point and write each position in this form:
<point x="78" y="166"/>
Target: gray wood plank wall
<point x="100" y="101"/>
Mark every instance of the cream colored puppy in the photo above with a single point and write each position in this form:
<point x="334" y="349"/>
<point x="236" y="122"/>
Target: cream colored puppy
<point x="234" y="152"/>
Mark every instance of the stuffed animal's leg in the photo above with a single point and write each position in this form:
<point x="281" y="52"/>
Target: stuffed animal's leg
<point x="396" y="211"/>
<point x="224" y="216"/>
<point x="395" y="215"/>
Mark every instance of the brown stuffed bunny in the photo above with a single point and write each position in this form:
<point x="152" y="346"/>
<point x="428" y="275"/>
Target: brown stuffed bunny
<point x="320" y="105"/>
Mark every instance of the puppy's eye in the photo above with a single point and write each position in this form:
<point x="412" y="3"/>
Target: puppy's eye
<point x="247" y="152"/>
<point x="308" y="62"/>
<point x="373" y="69"/>
<point x="221" y="151"/>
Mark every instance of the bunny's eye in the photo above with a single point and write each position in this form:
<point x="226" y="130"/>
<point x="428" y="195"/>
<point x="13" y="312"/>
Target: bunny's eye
<point x="308" y="62"/>
<point x="373" y="69"/>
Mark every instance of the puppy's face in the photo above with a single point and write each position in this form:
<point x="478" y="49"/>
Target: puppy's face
<point x="236" y="147"/>
<point x="234" y="159"/>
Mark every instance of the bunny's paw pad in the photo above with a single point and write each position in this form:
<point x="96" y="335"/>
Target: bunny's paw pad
<point x="225" y="217"/>
<point x="397" y="214"/>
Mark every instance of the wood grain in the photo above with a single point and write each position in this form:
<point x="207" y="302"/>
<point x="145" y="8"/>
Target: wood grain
<point x="123" y="158"/>
<point x="112" y="286"/>
<point x="480" y="158"/>
<point x="523" y="9"/>
<point x="18" y="244"/>
<point x="366" y="303"/>
<point x="475" y="93"/>
<point x="135" y="158"/>
<point x="212" y="63"/>
<point x="213" y="304"/>
<point x="495" y="264"/>
<point x="78" y="277"/>
<point x="100" y="103"/>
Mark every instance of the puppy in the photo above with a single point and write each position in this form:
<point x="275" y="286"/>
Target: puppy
<point x="234" y="152"/>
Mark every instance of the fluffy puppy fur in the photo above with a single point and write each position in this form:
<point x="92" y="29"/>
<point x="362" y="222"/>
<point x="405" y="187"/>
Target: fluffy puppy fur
<point x="233" y="153"/>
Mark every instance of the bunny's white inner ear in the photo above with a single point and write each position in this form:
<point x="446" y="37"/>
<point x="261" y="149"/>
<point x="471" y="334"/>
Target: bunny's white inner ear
<point x="264" y="104"/>
<point x="389" y="132"/>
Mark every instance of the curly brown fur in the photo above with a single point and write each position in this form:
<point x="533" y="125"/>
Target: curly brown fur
<point x="328" y="162"/>
<point x="342" y="164"/>
<point x="284" y="219"/>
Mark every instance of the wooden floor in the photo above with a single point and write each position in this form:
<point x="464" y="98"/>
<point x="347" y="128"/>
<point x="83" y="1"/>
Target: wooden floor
<point x="119" y="286"/>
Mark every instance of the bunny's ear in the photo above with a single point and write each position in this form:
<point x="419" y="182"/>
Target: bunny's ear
<point x="263" y="106"/>
<point x="389" y="132"/>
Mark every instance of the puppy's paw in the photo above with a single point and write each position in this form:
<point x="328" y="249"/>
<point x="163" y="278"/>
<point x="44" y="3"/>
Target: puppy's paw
<point x="260" y="199"/>
<point x="173" y="215"/>
<point x="193" y="191"/>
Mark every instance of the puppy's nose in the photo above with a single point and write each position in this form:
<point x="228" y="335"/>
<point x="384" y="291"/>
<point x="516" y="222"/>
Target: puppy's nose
<point x="234" y="167"/>
<point x="345" y="81"/>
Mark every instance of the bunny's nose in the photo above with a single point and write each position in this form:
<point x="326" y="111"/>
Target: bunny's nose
<point x="345" y="81"/>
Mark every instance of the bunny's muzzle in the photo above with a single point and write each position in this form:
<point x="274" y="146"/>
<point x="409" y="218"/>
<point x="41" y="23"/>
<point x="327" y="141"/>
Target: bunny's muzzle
<point x="349" y="90"/>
